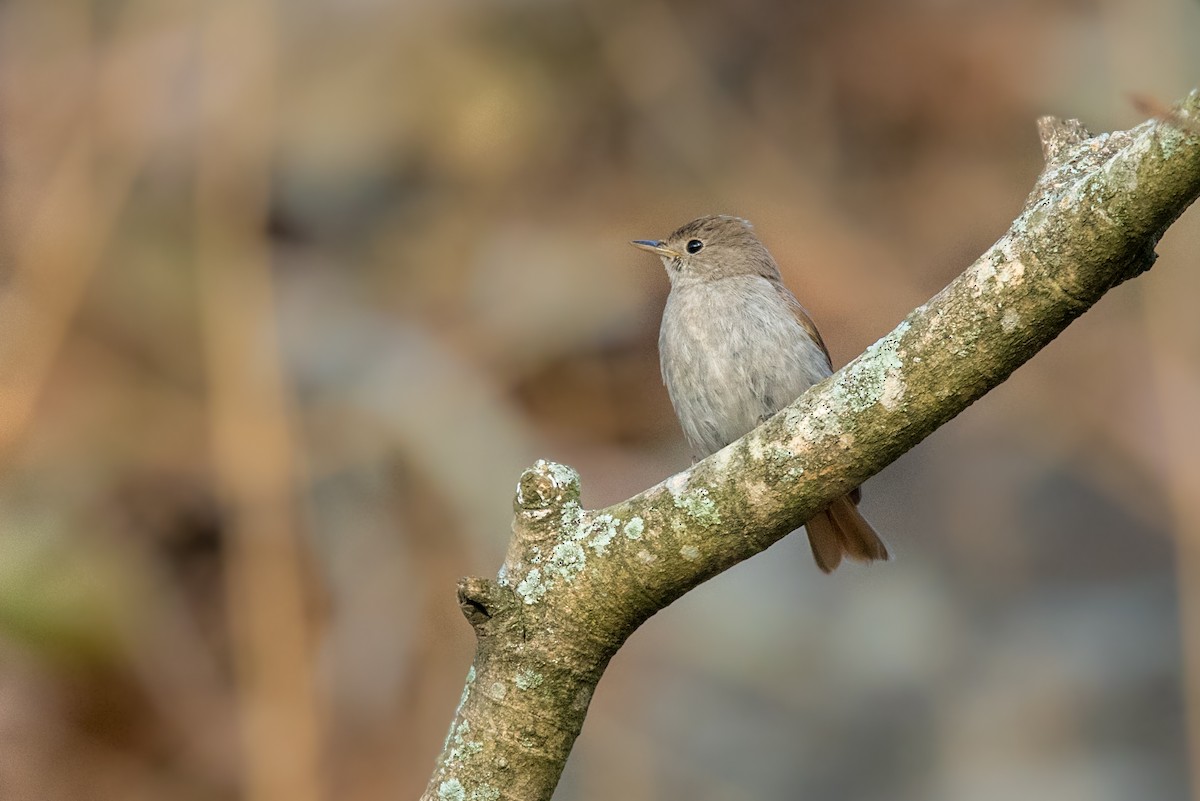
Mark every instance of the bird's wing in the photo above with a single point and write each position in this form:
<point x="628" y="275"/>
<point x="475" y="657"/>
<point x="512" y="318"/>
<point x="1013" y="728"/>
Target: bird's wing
<point x="802" y="317"/>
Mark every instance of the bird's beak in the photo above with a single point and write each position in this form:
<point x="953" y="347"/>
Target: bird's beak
<point x="656" y="247"/>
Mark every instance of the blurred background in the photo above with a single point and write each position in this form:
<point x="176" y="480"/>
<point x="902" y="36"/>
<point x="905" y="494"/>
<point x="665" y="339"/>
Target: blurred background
<point x="290" y="293"/>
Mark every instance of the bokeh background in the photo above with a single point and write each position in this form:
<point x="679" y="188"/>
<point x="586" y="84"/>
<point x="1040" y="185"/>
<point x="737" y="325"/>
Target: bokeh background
<point x="290" y="293"/>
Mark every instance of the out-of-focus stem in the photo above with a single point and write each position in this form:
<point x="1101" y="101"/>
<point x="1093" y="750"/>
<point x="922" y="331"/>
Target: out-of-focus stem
<point x="254" y="459"/>
<point x="1177" y="400"/>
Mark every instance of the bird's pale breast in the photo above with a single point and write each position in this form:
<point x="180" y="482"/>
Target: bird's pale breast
<point x="733" y="353"/>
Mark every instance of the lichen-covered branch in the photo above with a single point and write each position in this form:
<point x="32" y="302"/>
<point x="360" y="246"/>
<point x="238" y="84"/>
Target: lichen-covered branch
<point x="575" y="583"/>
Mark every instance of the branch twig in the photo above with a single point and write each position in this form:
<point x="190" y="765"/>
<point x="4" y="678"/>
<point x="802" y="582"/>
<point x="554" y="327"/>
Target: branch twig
<point x="576" y="583"/>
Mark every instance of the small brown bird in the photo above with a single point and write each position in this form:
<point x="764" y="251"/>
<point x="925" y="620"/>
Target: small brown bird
<point x="736" y="347"/>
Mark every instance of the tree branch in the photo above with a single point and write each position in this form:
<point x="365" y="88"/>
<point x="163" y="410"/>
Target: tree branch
<point x="576" y="583"/>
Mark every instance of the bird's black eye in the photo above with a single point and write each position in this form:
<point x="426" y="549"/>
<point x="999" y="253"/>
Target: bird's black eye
<point x="694" y="246"/>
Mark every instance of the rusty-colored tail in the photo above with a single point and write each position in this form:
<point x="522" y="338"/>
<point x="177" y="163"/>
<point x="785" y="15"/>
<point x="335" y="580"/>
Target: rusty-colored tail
<point x="841" y="531"/>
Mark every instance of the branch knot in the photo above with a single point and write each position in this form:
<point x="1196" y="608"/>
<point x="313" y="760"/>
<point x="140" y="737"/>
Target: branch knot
<point x="1059" y="136"/>
<point x="545" y="487"/>
<point x="481" y="601"/>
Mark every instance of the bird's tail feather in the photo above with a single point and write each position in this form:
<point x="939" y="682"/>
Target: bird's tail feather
<point x="841" y="531"/>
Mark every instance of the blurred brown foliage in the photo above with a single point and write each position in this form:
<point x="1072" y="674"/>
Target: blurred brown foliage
<point x="290" y="293"/>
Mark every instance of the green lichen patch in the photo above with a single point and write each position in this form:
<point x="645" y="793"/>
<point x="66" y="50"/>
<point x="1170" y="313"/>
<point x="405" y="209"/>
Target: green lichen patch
<point x="572" y="521"/>
<point x="566" y="561"/>
<point x="875" y="377"/>
<point x="568" y="558"/>
<point x="603" y="528"/>
<point x="527" y="679"/>
<point x="462" y="702"/>
<point x="563" y="476"/>
<point x="698" y="505"/>
<point x="485" y="792"/>
<point x="777" y="455"/>
<point x="780" y="461"/>
<point x="458" y="747"/>
<point x="451" y="790"/>
<point x="635" y="528"/>
<point x="532" y="587"/>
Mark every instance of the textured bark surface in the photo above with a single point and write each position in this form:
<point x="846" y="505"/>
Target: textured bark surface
<point x="576" y="583"/>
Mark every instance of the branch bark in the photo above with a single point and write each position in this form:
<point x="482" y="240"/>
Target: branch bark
<point x="576" y="583"/>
